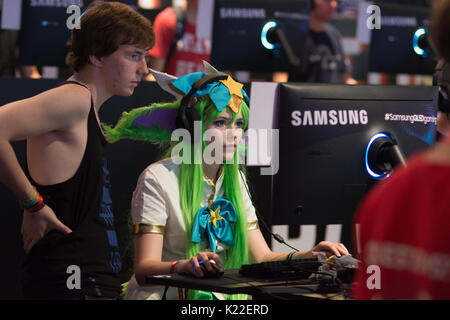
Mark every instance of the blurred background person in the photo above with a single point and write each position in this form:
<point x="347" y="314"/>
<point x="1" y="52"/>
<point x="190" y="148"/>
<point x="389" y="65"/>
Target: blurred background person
<point x="326" y="60"/>
<point x="9" y="54"/>
<point x="178" y="50"/>
<point x="404" y="221"/>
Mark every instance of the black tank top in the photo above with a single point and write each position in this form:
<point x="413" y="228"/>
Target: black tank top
<point x="82" y="203"/>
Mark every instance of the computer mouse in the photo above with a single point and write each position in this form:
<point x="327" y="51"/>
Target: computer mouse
<point x="217" y="273"/>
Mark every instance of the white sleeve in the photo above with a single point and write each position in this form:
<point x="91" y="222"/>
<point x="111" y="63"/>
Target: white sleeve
<point x="249" y="208"/>
<point x="149" y="205"/>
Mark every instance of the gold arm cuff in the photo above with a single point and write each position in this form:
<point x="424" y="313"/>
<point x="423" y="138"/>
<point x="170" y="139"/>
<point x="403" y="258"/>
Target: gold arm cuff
<point x="148" y="228"/>
<point x="253" y="225"/>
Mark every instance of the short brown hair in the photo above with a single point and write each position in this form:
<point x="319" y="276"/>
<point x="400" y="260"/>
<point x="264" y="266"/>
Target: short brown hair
<point x="104" y="27"/>
<point x="441" y="28"/>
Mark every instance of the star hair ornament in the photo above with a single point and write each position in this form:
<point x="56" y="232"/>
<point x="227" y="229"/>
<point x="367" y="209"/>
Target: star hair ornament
<point x="222" y="93"/>
<point x="155" y="123"/>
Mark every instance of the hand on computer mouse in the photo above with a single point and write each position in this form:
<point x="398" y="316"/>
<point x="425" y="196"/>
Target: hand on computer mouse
<point x="330" y="248"/>
<point x="215" y="271"/>
<point x="199" y="264"/>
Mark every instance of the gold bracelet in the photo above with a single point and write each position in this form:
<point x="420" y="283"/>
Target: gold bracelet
<point x="252" y="225"/>
<point x="141" y="228"/>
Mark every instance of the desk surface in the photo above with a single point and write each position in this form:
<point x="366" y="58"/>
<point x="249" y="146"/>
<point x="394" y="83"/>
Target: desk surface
<point x="232" y="283"/>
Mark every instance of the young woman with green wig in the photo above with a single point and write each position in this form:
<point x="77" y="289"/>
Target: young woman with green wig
<point x="187" y="213"/>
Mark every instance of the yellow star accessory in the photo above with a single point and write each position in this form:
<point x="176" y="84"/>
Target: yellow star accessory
<point x="215" y="216"/>
<point x="235" y="89"/>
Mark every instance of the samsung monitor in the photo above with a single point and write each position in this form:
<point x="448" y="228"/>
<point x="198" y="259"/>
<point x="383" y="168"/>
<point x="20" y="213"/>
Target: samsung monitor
<point x="259" y="35"/>
<point x="402" y="44"/>
<point x="337" y="141"/>
<point x="44" y="34"/>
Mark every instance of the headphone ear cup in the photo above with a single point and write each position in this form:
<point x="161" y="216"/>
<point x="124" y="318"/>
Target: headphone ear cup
<point x="192" y="115"/>
<point x="186" y="116"/>
<point x="181" y="120"/>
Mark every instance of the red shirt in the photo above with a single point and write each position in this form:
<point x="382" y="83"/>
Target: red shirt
<point x="190" y="50"/>
<point x="404" y="230"/>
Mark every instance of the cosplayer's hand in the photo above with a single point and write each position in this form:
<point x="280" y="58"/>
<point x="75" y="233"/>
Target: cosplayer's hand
<point x="192" y="266"/>
<point x="330" y="248"/>
<point x="37" y="224"/>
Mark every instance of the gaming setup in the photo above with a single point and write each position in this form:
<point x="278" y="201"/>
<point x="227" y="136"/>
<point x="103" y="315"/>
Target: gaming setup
<point x="347" y="138"/>
<point x="335" y="141"/>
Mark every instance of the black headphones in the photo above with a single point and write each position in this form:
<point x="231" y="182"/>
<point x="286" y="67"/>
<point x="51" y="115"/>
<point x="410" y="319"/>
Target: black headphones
<point x="186" y="114"/>
<point x="443" y="82"/>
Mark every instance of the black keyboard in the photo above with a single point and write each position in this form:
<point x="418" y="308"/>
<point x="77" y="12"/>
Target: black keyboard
<point x="296" y="268"/>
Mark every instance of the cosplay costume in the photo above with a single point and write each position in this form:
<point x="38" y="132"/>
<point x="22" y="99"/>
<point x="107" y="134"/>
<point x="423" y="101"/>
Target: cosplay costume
<point x="156" y="205"/>
<point x="219" y="225"/>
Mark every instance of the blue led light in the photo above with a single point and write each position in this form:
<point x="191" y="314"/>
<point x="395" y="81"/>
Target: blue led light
<point x="420" y="32"/>
<point x="369" y="170"/>
<point x="269" y="25"/>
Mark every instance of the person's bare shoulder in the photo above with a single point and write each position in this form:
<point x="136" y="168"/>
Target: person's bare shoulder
<point x="70" y="100"/>
<point x="55" y="109"/>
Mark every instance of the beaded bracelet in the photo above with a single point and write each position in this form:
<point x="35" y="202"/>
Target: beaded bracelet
<point x="32" y="201"/>
<point x="34" y="204"/>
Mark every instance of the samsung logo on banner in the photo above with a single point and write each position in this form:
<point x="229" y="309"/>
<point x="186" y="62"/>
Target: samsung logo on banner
<point x="387" y="21"/>
<point x="242" y="13"/>
<point x="56" y="3"/>
<point x="329" y="117"/>
<point x="291" y="15"/>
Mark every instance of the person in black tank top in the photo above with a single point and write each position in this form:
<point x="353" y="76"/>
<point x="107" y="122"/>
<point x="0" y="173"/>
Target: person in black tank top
<point x="71" y="246"/>
<point x="92" y="245"/>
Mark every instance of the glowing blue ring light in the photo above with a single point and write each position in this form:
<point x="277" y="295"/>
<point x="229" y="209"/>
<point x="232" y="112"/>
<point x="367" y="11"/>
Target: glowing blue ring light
<point x="269" y="25"/>
<point x="366" y="159"/>
<point x="420" y="32"/>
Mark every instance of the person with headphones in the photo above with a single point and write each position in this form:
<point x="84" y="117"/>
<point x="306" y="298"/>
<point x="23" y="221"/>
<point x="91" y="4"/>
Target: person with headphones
<point x="404" y="222"/>
<point x="195" y="216"/>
